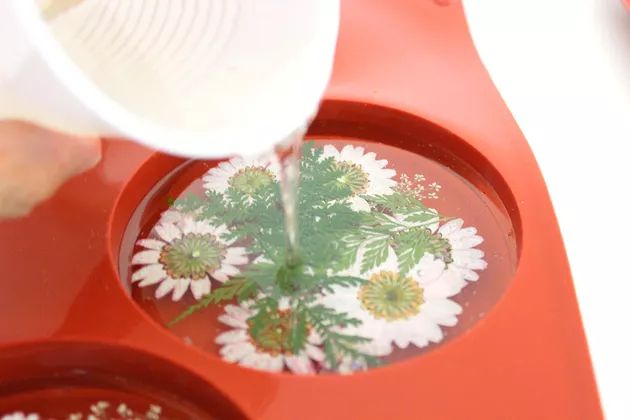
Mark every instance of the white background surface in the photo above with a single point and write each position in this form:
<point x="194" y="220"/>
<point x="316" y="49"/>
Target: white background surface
<point x="563" y="67"/>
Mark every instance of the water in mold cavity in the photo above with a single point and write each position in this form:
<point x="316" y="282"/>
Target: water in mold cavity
<point x="398" y="254"/>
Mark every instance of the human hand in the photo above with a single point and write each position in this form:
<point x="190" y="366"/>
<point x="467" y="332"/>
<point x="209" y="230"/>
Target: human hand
<point x="35" y="162"/>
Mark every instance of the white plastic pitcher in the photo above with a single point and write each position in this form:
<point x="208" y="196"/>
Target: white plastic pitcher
<point x="200" y="78"/>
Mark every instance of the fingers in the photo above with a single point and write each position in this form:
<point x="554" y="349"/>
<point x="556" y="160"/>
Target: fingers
<point x="35" y="162"/>
<point x="75" y="154"/>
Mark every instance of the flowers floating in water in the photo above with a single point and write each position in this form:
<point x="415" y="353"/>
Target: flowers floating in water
<point x="244" y="175"/>
<point x="268" y="349"/>
<point x="362" y="172"/>
<point x="185" y="254"/>
<point x="397" y="308"/>
<point x="378" y="268"/>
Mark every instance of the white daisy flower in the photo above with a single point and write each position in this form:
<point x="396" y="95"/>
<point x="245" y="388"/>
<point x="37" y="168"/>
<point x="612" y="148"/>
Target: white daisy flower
<point x="399" y="309"/>
<point x="185" y="254"/>
<point x="270" y="354"/>
<point x="246" y="175"/>
<point x="362" y="173"/>
<point x="18" y="415"/>
<point x="464" y="257"/>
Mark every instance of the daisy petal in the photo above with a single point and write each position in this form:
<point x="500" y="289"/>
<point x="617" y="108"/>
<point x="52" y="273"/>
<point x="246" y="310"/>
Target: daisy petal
<point x="371" y="156"/>
<point x="469" y="275"/>
<point x="220" y="276"/>
<point x="237" y="312"/>
<point x="450" y="284"/>
<point x="477" y="265"/>
<point x="466" y="242"/>
<point x="232" y="336"/>
<point x="420" y="341"/>
<point x="165" y="288"/>
<point x="181" y="285"/>
<point x="433" y="332"/>
<point x="450" y="227"/>
<point x="188" y="225"/>
<point x="252" y="360"/>
<point x="359" y="204"/>
<point x="236" y="351"/>
<point x="276" y="364"/>
<point x="315" y="339"/>
<point x="171" y="216"/>
<point x="299" y="364"/>
<point x="402" y="340"/>
<point x="378" y="348"/>
<point x="200" y="287"/>
<point x="154" y="244"/>
<point x="442" y="311"/>
<point x="424" y="330"/>
<point x="462" y="233"/>
<point x="329" y="150"/>
<point x="429" y="268"/>
<point x="236" y="256"/>
<point x="152" y="273"/>
<point x="388" y="173"/>
<point x="262" y="362"/>
<point x="146" y="257"/>
<point x="232" y="322"/>
<point x="203" y="228"/>
<point x="467" y="255"/>
<point x="168" y="231"/>
<point x="150" y="281"/>
<point x="354" y="151"/>
<point x="314" y="353"/>
<point x="229" y="270"/>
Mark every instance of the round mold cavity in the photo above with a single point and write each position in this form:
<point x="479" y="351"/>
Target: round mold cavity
<point x="471" y="189"/>
<point x="56" y="379"/>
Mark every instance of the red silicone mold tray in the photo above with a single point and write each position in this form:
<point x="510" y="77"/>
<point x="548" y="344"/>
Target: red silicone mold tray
<point x="406" y="75"/>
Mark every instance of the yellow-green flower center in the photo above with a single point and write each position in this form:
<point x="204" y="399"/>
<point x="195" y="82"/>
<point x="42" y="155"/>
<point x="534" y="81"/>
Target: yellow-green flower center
<point x="386" y="295"/>
<point x="274" y="337"/>
<point x="353" y="176"/>
<point x="251" y="179"/>
<point x="192" y="256"/>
